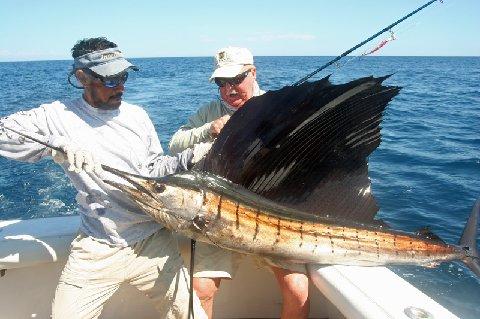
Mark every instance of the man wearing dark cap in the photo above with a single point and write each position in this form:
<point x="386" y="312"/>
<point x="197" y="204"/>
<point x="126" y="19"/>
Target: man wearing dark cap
<point x="116" y="242"/>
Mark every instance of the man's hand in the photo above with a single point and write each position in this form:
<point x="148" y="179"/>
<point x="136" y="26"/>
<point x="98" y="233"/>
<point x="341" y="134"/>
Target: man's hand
<point x="200" y="150"/>
<point x="218" y="125"/>
<point x="79" y="160"/>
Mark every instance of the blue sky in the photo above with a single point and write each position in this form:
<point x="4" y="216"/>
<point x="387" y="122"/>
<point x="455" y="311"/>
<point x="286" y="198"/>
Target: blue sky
<point x="46" y="30"/>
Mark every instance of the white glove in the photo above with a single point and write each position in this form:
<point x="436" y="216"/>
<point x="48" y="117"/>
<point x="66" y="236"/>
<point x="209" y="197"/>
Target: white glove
<point x="79" y="160"/>
<point x="200" y="150"/>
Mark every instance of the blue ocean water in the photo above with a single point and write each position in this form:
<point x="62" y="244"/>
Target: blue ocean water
<point x="426" y="171"/>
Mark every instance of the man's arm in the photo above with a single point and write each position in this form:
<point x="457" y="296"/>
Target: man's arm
<point x="203" y="126"/>
<point x="164" y="165"/>
<point x="16" y="147"/>
<point x="159" y="164"/>
<point x="195" y="131"/>
<point x="187" y="136"/>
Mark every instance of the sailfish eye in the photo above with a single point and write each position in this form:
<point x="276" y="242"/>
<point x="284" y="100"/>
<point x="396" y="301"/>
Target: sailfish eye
<point x="160" y="188"/>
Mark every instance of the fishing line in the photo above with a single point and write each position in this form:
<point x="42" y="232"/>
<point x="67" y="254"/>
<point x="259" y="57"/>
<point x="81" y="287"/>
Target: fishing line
<point x="398" y="31"/>
<point x="388" y="28"/>
<point x="192" y="267"/>
<point x="401" y="30"/>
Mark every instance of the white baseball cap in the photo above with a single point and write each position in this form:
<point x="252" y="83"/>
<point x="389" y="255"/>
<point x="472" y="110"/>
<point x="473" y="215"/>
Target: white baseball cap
<point x="230" y="62"/>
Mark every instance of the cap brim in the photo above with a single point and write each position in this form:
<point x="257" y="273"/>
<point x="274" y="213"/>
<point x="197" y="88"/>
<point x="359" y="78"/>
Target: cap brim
<point x="113" y="68"/>
<point x="228" y="71"/>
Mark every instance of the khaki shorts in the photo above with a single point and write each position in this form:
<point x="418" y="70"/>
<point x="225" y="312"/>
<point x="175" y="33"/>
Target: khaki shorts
<point x="95" y="270"/>
<point x="210" y="261"/>
<point x="263" y="262"/>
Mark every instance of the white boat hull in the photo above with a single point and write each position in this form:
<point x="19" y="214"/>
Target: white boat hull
<point x="33" y="252"/>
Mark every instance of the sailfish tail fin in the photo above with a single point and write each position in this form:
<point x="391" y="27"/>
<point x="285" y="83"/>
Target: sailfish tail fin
<point x="469" y="240"/>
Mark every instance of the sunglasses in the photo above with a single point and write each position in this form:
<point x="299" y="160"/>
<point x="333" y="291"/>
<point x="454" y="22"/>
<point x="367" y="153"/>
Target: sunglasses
<point x="110" y="82"/>
<point x="221" y="82"/>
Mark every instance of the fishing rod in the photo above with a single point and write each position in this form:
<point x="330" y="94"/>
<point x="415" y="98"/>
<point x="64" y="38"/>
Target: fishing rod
<point x="58" y="149"/>
<point x="304" y="79"/>
<point x="25" y="135"/>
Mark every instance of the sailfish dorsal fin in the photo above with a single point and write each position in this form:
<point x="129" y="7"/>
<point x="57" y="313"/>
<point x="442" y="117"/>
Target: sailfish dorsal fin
<point x="306" y="146"/>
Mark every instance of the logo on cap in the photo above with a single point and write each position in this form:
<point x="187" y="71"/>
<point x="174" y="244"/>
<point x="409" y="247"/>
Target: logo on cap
<point x="222" y="56"/>
<point x="109" y="55"/>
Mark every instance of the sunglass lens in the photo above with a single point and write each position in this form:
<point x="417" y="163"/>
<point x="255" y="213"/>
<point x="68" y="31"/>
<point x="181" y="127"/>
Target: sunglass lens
<point x="221" y="82"/>
<point x="115" y="81"/>
<point x="238" y="79"/>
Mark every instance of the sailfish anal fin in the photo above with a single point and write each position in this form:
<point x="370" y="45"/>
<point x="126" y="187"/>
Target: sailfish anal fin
<point x="307" y="146"/>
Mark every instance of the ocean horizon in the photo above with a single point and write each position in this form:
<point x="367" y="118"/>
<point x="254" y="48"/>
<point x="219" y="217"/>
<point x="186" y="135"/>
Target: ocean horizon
<point x="256" y="56"/>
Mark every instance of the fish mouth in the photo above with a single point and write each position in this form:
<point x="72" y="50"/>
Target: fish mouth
<point x="142" y="189"/>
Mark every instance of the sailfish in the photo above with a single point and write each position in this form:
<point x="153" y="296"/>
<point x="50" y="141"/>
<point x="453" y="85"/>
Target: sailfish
<point x="287" y="179"/>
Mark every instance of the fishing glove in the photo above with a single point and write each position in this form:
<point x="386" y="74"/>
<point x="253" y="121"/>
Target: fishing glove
<point x="200" y="150"/>
<point x="78" y="159"/>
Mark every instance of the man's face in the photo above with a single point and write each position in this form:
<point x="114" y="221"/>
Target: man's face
<point x="98" y="95"/>
<point x="237" y="94"/>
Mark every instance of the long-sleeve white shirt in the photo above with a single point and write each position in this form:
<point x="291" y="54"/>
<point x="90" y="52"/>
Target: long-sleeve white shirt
<point x="124" y="138"/>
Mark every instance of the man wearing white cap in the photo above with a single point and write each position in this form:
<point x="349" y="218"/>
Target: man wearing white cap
<point x="117" y="242"/>
<point x="235" y="75"/>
